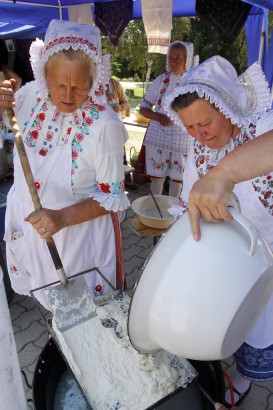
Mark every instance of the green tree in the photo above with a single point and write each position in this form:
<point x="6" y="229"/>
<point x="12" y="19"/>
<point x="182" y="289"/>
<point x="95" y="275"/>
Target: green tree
<point x="131" y="56"/>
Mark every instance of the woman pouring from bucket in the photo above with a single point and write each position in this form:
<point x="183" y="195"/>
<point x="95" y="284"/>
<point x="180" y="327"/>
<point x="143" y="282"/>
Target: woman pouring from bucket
<point x="68" y="133"/>
<point x="222" y="111"/>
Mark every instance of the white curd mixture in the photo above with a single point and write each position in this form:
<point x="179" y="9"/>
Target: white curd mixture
<point x="111" y="372"/>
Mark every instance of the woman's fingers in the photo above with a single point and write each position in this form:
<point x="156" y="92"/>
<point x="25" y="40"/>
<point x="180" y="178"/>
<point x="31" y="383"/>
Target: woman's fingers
<point x="194" y="215"/>
<point x="7" y="94"/>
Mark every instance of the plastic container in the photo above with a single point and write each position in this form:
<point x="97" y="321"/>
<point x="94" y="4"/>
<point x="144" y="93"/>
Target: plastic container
<point x="148" y="214"/>
<point x="201" y="299"/>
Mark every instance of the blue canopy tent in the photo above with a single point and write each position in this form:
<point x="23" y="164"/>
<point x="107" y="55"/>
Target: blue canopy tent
<point x="30" y="18"/>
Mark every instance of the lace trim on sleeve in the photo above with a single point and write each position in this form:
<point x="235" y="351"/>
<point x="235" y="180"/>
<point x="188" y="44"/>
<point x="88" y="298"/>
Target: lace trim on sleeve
<point x="110" y="202"/>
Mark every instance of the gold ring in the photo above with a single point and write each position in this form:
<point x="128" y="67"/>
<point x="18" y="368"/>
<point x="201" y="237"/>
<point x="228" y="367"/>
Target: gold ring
<point x="43" y="229"/>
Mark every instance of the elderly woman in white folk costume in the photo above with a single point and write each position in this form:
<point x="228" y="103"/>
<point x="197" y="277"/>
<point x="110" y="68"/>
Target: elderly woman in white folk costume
<point x="167" y="145"/>
<point x="223" y="111"/>
<point x="74" y="143"/>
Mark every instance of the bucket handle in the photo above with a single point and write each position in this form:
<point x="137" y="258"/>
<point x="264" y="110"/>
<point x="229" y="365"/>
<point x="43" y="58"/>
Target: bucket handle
<point x="234" y="202"/>
<point x="251" y="230"/>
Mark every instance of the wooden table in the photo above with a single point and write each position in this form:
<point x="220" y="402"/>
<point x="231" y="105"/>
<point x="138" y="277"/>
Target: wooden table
<point x="144" y="231"/>
<point x="132" y="121"/>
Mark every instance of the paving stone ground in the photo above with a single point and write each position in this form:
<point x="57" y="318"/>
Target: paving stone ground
<point x="31" y="333"/>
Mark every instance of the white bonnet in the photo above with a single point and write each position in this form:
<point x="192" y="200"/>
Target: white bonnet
<point x="106" y="62"/>
<point x="242" y="99"/>
<point x="62" y="35"/>
<point x="191" y="60"/>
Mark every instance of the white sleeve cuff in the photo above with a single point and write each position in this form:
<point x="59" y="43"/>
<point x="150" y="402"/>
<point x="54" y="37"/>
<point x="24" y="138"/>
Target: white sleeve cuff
<point x="111" y="203"/>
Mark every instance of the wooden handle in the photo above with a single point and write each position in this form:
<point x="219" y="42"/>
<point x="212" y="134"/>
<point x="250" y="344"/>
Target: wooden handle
<point x="33" y="191"/>
<point x="24" y="160"/>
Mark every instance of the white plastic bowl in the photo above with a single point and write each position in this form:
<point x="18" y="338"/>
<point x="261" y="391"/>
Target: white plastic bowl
<point x="148" y="214"/>
<point x="200" y="300"/>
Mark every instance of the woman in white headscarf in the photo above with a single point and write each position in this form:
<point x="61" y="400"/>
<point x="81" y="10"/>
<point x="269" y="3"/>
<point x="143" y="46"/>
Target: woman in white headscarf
<point x="223" y="111"/>
<point x="74" y="143"/>
<point x="167" y="145"/>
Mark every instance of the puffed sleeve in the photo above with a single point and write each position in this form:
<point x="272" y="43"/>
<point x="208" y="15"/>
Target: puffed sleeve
<point x="265" y="123"/>
<point x="152" y="94"/>
<point x="109" y="166"/>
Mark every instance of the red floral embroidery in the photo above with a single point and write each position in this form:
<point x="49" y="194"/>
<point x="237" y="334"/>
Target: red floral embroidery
<point x="159" y="101"/>
<point x="105" y="188"/>
<point x="79" y="137"/>
<point x="41" y="116"/>
<point x="43" y="152"/>
<point x="68" y="131"/>
<point x="35" y="134"/>
<point x="166" y="81"/>
<point x="98" y="288"/>
<point x="88" y="121"/>
<point x="74" y="154"/>
<point x="49" y="136"/>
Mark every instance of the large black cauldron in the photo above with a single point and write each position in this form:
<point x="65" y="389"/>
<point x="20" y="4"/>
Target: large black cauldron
<point x="51" y="366"/>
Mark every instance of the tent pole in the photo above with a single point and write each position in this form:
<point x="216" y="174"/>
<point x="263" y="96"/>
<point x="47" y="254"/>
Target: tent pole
<point x="262" y="41"/>
<point x="60" y="10"/>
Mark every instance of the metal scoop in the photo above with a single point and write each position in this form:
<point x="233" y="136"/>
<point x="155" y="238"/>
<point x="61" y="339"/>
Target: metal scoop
<point x="71" y="301"/>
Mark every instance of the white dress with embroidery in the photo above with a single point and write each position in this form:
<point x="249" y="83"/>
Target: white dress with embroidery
<point x="167" y="147"/>
<point x="72" y="157"/>
<point x="256" y="202"/>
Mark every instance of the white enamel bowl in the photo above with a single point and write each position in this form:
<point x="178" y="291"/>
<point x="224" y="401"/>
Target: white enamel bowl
<point x="147" y="211"/>
<point x="200" y="299"/>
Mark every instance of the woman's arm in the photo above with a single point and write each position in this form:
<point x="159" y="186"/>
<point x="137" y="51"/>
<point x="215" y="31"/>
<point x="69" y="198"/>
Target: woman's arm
<point x="47" y="222"/>
<point x="209" y="196"/>
<point x="156" y="116"/>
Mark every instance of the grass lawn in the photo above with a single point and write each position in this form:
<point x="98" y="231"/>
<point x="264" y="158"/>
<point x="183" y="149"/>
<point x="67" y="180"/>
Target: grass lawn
<point x="134" y="93"/>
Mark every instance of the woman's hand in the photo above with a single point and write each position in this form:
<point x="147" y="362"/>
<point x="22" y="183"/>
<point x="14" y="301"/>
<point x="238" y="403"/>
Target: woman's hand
<point x="7" y="94"/>
<point x="209" y="198"/>
<point x="47" y="222"/>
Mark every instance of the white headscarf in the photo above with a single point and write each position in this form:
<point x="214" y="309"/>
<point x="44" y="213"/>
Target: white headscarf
<point x="63" y="35"/>
<point x="242" y="99"/>
<point x="191" y="60"/>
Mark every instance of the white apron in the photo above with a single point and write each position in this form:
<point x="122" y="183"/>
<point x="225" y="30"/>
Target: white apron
<point x="81" y="247"/>
<point x="262" y="334"/>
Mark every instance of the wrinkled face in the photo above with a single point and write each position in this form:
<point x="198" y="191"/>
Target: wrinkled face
<point x="207" y="124"/>
<point x="177" y="60"/>
<point x="68" y="82"/>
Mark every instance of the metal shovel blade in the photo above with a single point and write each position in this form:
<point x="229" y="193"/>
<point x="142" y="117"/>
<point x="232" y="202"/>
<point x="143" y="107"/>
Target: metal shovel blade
<point x="71" y="303"/>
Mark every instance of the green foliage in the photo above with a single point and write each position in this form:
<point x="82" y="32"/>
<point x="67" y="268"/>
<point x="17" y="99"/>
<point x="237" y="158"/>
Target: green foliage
<point x="129" y="58"/>
<point x="208" y="42"/>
